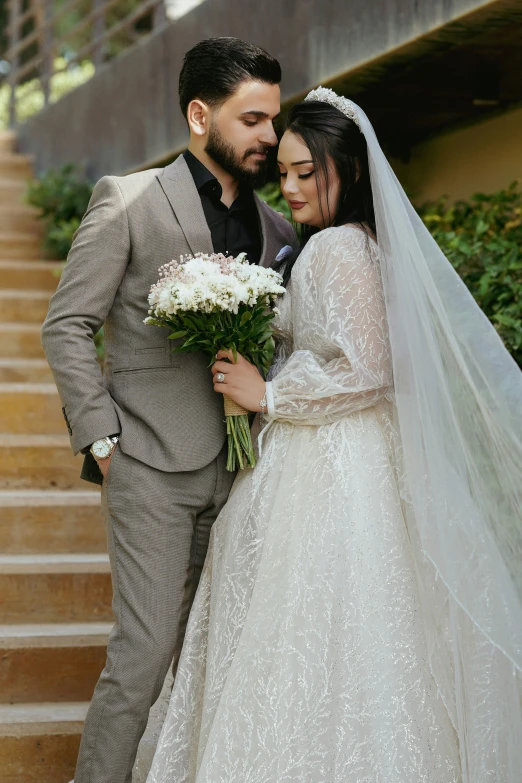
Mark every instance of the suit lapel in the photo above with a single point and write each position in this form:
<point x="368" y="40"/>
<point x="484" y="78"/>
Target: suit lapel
<point x="269" y="251"/>
<point x="178" y="185"/>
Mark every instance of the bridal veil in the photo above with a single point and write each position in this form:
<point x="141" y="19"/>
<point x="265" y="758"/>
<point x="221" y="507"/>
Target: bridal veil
<point x="459" y="413"/>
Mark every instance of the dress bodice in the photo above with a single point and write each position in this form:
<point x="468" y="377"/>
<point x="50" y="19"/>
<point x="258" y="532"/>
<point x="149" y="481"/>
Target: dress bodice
<point x="332" y="352"/>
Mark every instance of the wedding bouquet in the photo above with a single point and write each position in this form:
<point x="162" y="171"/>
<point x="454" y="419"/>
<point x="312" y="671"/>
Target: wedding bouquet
<point x="213" y="302"/>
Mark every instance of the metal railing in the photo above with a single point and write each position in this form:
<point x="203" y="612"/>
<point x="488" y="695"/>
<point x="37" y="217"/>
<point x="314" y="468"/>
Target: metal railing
<point x="41" y="31"/>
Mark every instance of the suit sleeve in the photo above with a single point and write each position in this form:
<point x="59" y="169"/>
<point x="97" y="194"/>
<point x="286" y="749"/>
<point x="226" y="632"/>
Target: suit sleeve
<point x="91" y="277"/>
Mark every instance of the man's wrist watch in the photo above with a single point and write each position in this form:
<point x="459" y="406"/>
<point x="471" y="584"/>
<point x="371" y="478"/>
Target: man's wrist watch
<point x="103" y="448"/>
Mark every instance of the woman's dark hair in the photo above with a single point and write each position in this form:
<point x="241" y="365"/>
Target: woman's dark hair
<point x="332" y="136"/>
<point x="214" y="68"/>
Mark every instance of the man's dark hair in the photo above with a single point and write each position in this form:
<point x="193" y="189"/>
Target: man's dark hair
<point x="214" y="68"/>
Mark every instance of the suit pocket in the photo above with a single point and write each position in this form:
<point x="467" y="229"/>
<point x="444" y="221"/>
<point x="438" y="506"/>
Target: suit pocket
<point x="151" y="358"/>
<point x="139" y="370"/>
<point x="108" y="478"/>
<point x="152" y="351"/>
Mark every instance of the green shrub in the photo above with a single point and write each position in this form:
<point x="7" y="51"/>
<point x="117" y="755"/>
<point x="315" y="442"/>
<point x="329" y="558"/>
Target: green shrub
<point x="62" y="195"/>
<point x="482" y="238"/>
<point x="271" y="193"/>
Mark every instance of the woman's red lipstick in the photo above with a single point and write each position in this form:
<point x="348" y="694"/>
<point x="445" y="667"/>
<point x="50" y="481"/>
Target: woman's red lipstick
<point x="297" y="204"/>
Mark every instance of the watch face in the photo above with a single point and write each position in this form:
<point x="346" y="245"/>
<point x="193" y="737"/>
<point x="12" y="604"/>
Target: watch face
<point x="101" y="449"/>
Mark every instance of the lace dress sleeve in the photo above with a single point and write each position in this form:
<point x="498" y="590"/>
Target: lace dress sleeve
<point x="342" y="294"/>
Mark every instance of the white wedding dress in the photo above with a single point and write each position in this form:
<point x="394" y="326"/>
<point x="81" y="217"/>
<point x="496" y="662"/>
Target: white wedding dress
<point x="305" y="659"/>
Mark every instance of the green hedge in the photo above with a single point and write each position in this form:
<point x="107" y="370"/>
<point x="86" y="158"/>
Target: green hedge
<point x="62" y="196"/>
<point x="481" y="237"/>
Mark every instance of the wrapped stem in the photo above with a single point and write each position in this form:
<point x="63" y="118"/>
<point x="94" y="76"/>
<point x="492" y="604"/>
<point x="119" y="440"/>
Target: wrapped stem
<point x="240" y="447"/>
<point x="232" y="408"/>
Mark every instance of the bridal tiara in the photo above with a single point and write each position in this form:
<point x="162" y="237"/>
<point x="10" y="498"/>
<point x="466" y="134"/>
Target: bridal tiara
<point x="325" y="95"/>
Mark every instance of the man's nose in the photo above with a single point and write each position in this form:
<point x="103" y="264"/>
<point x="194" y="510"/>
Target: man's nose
<point x="269" y="136"/>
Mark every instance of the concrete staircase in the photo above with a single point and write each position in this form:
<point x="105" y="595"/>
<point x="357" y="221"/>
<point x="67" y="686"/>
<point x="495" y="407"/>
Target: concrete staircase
<point x="55" y="588"/>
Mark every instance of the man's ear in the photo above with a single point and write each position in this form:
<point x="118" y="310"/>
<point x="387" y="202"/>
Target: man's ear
<point x="198" y="117"/>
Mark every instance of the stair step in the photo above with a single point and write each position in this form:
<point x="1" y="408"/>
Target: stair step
<point x="34" y="521"/>
<point x="39" y="462"/>
<point x="21" y="340"/>
<point x="19" y="246"/>
<point x="12" y="192"/>
<point x="55" y="588"/>
<point x="18" y="218"/>
<point x="16" y="166"/>
<point x="39" y="742"/>
<point x="26" y="306"/>
<point x="14" y="370"/>
<point x="29" y="275"/>
<point x="58" y="662"/>
<point x="7" y="141"/>
<point x="32" y="408"/>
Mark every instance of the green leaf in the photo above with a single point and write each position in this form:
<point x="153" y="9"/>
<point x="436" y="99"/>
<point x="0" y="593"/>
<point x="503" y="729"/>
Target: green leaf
<point x="177" y="335"/>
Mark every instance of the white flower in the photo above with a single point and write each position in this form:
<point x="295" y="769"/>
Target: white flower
<point x="208" y="283"/>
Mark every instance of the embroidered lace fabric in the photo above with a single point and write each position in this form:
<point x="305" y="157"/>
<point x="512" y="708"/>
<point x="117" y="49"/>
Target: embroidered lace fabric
<point x="306" y="659"/>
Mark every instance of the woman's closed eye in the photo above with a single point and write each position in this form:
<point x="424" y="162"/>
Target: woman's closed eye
<point x="281" y="174"/>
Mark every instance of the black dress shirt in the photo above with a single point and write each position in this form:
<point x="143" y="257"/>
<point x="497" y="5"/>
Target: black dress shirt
<point x="234" y="229"/>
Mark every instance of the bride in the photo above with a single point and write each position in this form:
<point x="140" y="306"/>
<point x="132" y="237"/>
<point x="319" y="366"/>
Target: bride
<point x="359" y="616"/>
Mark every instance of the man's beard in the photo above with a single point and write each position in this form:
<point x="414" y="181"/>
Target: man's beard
<point x="224" y="154"/>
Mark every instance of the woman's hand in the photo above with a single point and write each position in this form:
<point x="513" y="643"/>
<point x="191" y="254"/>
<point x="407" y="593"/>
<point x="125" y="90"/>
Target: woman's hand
<point x="243" y="382"/>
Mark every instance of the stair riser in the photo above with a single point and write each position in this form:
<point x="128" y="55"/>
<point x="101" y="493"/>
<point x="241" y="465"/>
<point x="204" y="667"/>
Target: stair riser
<point x="28" y="373"/>
<point x="55" y="598"/>
<point x="37" y="414"/>
<point x="39" y="758"/>
<point x="39" y="278"/>
<point x="19" y="343"/>
<point x="15" y="168"/>
<point x="50" y="674"/>
<point x="25" y="249"/>
<point x="21" y="221"/>
<point x="23" y="309"/>
<point x="40" y="467"/>
<point x="35" y="529"/>
<point x="12" y="194"/>
<point x="7" y="141"/>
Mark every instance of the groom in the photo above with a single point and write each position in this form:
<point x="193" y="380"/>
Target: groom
<point x="153" y="427"/>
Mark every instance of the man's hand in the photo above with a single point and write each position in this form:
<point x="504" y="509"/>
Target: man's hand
<point x="104" y="464"/>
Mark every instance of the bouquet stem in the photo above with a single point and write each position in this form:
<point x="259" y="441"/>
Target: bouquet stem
<point x="240" y="446"/>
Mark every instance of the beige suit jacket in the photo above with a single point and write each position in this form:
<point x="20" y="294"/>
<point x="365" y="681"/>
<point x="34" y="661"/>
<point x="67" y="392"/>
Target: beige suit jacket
<point x="163" y="404"/>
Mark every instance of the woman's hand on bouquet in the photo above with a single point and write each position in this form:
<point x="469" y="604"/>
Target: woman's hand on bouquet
<point x="243" y="382"/>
